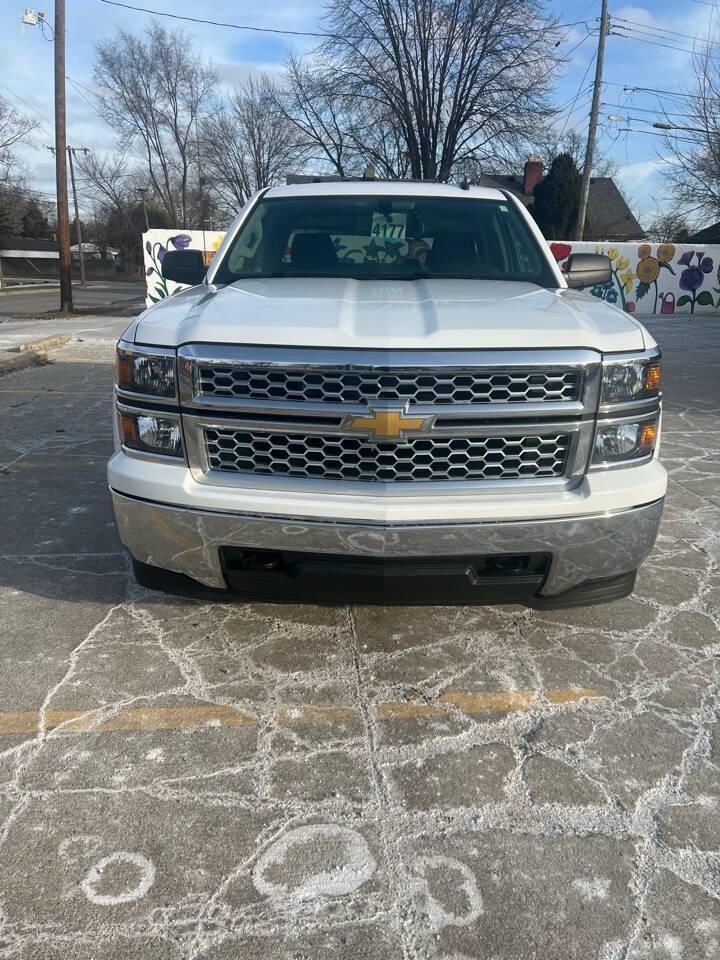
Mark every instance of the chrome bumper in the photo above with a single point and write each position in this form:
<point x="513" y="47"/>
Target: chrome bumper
<point x="583" y="548"/>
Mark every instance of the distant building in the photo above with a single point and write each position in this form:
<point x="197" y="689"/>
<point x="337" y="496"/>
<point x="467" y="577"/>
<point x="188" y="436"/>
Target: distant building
<point x="608" y="215"/>
<point x="91" y="251"/>
<point x="28" y="248"/>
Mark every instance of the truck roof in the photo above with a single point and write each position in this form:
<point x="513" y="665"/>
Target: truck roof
<point x="395" y="188"/>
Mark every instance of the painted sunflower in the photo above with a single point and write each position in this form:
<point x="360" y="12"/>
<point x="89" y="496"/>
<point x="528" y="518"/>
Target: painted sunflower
<point x="648" y="270"/>
<point x="644" y="250"/>
<point x="665" y="253"/>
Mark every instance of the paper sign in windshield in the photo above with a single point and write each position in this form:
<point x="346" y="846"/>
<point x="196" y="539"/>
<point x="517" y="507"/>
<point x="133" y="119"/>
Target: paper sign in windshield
<point x="389" y="226"/>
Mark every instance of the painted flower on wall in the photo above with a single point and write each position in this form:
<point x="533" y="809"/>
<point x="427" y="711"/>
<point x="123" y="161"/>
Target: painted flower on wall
<point x="649" y="267"/>
<point x="623" y="277"/>
<point x="181" y="242"/>
<point x="693" y="277"/>
<point x="605" y="291"/>
<point x="156" y="252"/>
<point x="561" y="251"/>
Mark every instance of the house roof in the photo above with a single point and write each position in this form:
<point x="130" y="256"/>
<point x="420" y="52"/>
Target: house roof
<point x="28" y="244"/>
<point x="608" y="218"/>
<point x="709" y="234"/>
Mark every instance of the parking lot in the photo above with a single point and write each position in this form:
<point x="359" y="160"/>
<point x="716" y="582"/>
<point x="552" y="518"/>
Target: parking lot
<point x="182" y="779"/>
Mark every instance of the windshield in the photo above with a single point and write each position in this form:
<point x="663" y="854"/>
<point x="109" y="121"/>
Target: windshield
<point x="385" y="237"/>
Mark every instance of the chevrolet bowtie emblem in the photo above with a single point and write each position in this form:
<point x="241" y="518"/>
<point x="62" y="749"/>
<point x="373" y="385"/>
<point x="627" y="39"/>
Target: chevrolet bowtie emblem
<point x="388" y="424"/>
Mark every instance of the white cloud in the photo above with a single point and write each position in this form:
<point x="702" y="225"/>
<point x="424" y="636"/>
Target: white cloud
<point x="633" y="174"/>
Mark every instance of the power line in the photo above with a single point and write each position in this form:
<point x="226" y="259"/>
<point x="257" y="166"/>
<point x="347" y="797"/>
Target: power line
<point x="658" y="112"/>
<point x="655" y="43"/>
<point x="571" y="51"/>
<point x="29" y="107"/>
<point x="255" y="29"/>
<point x="653" y="90"/>
<point x="215" y="23"/>
<point x="664" y="34"/>
<point x="665" y="135"/>
<point x="591" y="61"/>
<point x="79" y="90"/>
<point x="659" y="126"/>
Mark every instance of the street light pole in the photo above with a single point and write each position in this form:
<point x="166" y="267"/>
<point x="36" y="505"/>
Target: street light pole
<point x="63" y="220"/>
<point x="71" y="151"/>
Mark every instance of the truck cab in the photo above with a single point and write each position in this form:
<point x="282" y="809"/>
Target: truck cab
<point x="388" y="391"/>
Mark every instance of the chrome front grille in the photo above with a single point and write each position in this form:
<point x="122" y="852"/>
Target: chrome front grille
<point x="358" y="385"/>
<point x="338" y="457"/>
<point x="296" y="416"/>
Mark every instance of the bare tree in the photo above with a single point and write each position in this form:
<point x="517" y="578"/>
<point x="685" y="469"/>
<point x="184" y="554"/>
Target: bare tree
<point x="249" y="143"/>
<point x="319" y="109"/>
<point x="549" y="146"/>
<point x="669" y="227"/>
<point x="15" y="128"/>
<point x="454" y="79"/>
<point x="155" y="91"/>
<point x="108" y="180"/>
<point x="113" y="186"/>
<point x="693" y="153"/>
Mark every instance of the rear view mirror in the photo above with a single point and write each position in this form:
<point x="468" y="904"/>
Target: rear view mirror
<point x="587" y="270"/>
<point x="184" y="266"/>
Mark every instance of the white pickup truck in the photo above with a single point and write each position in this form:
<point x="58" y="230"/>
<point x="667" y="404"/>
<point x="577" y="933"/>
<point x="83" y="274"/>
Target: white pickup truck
<point x="388" y="391"/>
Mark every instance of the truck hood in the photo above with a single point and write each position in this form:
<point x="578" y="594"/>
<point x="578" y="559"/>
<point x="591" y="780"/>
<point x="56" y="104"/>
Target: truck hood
<point x="420" y="314"/>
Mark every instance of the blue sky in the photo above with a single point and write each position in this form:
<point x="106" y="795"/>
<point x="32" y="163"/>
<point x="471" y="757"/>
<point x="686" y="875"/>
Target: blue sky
<point x="26" y="70"/>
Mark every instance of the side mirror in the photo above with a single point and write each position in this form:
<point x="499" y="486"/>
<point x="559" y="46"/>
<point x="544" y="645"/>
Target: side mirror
<point x="184" y="266"/>
<point x="587" y="270"/>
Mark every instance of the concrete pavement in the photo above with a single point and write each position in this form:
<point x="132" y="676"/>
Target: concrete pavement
<point x="182" y="779"/>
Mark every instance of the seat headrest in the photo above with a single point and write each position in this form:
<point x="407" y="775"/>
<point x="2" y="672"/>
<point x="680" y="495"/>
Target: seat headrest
<point x="452" y="247"/>
<point x="313" y="251"/>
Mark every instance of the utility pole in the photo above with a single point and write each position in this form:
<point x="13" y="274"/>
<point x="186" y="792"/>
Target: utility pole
<point x="142" y="193"/>
<point x="32" y="19"/>
<point x="63" y="219"/>
<point x="71" y="151"/>
<point x="592" y="130"/>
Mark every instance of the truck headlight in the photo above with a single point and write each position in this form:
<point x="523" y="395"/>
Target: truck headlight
<point x="151" y="433"/>
<point x="144" y="372"/>
<point x="629" y="380"/>
<point x="617" y="442"/>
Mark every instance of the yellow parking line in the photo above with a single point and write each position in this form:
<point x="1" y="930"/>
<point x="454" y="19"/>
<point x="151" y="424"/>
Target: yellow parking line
<point x="212" y="715"/>
<point x="480" y="703"/>
<point x="142" y="718"/>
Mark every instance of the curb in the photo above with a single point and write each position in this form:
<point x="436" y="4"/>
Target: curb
<point x="25" y="287"/>
<point x="46" y="343"/>
<point x="18" y="361"/>
<point x="31" y="353"/>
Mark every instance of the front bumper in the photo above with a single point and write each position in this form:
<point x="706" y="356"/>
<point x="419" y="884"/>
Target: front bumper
<point x="582" y="548"/>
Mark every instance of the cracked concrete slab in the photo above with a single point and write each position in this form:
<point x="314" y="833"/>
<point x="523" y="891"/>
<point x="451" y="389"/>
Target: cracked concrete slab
<point x="188" y="780"/>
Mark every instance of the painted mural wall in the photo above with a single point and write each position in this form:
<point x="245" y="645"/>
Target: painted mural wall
<point x="647" y="279"/>
<point x="655" y="278"/>
<point x="156" y="244"/>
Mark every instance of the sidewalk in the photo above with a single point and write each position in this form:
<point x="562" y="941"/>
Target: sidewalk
<point x="83" y="327"/>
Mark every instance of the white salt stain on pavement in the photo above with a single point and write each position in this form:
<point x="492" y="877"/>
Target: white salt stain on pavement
<point x="95" y="875"/>
<point x="590" y="890"/>
<point x="336" y="861"/>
